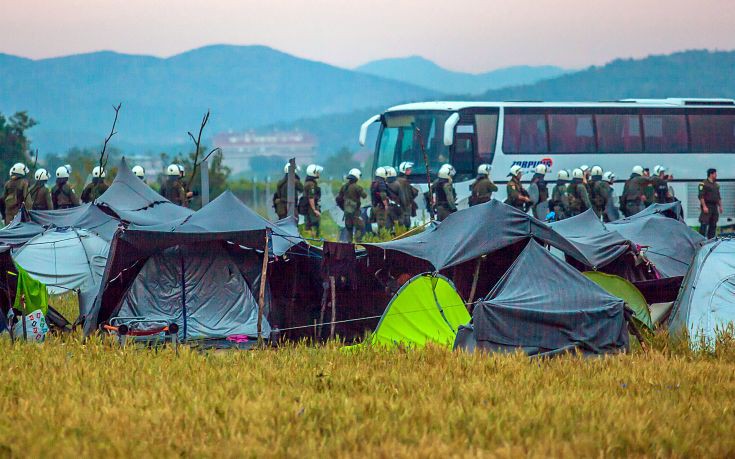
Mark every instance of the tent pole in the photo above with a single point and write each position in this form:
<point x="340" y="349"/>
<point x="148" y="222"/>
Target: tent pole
<point x="334" y="307"/>
<point x="261" y="293"/>
<point x="183" y="291"/>
<point x="475" y="277"/>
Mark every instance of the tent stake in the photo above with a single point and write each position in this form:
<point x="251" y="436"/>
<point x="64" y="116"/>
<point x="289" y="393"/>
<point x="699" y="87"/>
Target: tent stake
<point x="475" y="277"/>
<point x="261" y="294"/>
<point x="334" y="307"/>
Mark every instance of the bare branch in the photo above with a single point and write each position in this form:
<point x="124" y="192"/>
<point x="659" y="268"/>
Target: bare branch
<point x="103" y="161"/>
<point x="197" y="145"/>
<point x="210" y="154"/>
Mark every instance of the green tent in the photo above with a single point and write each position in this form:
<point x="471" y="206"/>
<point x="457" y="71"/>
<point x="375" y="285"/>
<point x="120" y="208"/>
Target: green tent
<point x="427" y="308"/>
<point x="621" y="288"/>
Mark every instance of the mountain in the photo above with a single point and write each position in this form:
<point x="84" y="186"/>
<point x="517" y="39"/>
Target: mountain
<point x="697" y="73"/>
<point x="163" y="98"/>
<point x="423" y="72"/>
<point x="683" y="74"/>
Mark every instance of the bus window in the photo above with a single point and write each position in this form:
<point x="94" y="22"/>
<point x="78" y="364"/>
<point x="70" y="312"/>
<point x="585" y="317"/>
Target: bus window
<point x="525" y="133"/>
<point x="399" y="140"/>
<point x="665" y="133"/>
<point x="712" y="133"/>
<point x="571" y="133"/>
<point x="464" y="152"/>
<point x="487" y="132"/>
<point x="618" y="134"/>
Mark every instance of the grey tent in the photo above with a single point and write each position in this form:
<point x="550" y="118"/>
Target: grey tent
<point x="523" y="312"/>
<point x="706" y="301"/>
<point x="202" y="272"/>
<point x="64" y="259"/>
<point x="132" y="201"/>
<point x="669" y="243"/>
<point x="87" y="216"/>
<point x="18" y="233"/>
<point x="476" y="231"/>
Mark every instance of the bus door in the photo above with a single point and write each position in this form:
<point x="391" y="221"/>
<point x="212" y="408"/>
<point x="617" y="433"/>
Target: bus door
<point x="463" y="158"/>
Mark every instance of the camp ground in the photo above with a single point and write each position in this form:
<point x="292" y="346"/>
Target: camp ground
<point x="146" y="269"/>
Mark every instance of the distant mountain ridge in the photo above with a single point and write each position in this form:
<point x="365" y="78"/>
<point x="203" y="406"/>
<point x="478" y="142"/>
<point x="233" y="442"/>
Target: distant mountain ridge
<point x="683" y="74"/>
<point x="163" y="98"/>
<point x="423" y="72"/>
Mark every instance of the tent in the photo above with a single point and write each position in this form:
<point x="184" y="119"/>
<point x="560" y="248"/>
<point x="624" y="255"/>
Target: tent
<point x="669" y="243"/>
<point x="554" y="310"/>
<point x="706" y="301"/>
<point x="199" y="272"/>
<point x="87" y="216"/>
<point x="426" y="309"/>
<point x="621" y="288"/>
<point x="64" y="259"/>
<point x="18" y="233"/>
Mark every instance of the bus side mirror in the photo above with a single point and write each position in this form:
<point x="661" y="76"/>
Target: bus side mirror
<point x="364" y="128"/>
<point x="449" y="126"/>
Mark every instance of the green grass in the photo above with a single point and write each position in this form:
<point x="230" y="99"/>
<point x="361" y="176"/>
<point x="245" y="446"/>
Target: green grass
<point x="68" y="399"/>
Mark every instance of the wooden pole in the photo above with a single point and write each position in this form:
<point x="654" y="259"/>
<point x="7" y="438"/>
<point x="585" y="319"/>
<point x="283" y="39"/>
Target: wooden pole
<point x="475" y="277"/>
<point x="291" y="188"/>
<point x="261" y="294"/>
<point x="334" y="307"/>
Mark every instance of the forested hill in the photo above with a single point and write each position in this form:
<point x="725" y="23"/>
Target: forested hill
<point x="683" y="74"/>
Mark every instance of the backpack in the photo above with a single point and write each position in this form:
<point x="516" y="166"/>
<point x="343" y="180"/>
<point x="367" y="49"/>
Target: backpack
<point x="340" y="199"/>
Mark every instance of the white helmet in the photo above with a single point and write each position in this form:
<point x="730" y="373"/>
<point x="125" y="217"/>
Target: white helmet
<point x="391" y="171"/>
<point x="657" y="169"/>
<point x="138" y="171"/>
<point x="596" y="170"/>
<point x="515" y="170"/>
<point x="541" y="169"/>
<point x="314" y="170"/>
<point x="638" y="170"/>
<point x="578" y="173"/>
<point x="41" y="174"/>
<point x="446" y="171"/>
<point x="584" y="167"/>
<point x="62" y="172"/>
<point x="381" y="172"/>
<point x="98" y="172"/>
<point x="355" y="172"/>
<point x="19" y="169"/>
<point x="296" y="169"/>
<point x="484" y="169"/>
<point x="563" y="174"/>
<point x="181" y="169"/>
<point x="405" y="166"/>
<point x="173" y="170"/>
<point x="608" y="176"/>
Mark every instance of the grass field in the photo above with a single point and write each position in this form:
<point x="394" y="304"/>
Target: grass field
<point x="66" y="399"/>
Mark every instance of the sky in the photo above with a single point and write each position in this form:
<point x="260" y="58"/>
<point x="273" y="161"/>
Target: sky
<point x="465" y="35"/>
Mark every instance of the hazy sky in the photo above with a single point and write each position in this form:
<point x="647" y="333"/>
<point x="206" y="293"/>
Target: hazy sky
<point x="470" y="35"/>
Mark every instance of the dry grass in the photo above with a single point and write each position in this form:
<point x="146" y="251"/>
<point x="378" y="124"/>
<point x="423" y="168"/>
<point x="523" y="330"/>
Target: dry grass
<point x="67" y="399"/>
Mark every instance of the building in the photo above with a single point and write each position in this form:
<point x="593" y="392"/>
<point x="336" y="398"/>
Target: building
<point x="240" y="148"/>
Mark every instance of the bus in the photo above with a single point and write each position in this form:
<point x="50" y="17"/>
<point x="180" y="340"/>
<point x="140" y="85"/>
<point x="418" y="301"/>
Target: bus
<point x="687" y="136"/>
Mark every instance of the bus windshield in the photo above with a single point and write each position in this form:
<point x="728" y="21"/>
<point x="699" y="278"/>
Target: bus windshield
<point x="404" y="132"/>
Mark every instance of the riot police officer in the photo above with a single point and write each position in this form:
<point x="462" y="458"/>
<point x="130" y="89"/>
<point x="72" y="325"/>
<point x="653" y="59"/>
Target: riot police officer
<point x="559" y="197"/>
<point x="96" y="187"/>
<point x="445" y="199"/>
<point x="379" y="199"/>
<point x="39" y="197"/>
<point x="63" y="195"/>
<point x="16" y="190"/>
<point x="579" y="199"/>
<point x="280" y="197"/>
<point x="352" y="195"/>
<point x="710" y="203"/>
<point x="406" y="193"/>
<point x="599" y="191"/>
<point x="538" y="191"/>
<point x="482" y="189"/>
<point x="633" y="199"/>
<point x="310" y="202"/>
<point x="517" y="195"/>
<point x="172" y="189"/>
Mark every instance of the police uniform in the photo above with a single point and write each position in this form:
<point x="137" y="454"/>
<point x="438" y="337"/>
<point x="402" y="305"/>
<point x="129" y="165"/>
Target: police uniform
<point x="515" y="191"/>
<point x="39" y="197"/>
<point x="312" y="191"/>
<point x="93" y="190"/>
<point x="632" y="191"/>
<point x="539" y="194"/>
<point x="579" y="199"/>
<point x="661" y="190"/>
<point x="599" y="195"/>
<point x="174" y="191"/>
<point x="15" y="192"/>
<point x="353" y="194"/>
<point x="407" y="199"/>
<point x="394" y="201"/>
<point x="709" y="192"/>
<point x="481" y="190"/>
<point x="63" y="196"/>
<point x="444" y="198"/>
<point x="379" y="196"/>
<point x="560" y="200"/>
<point x="280" y="197"/>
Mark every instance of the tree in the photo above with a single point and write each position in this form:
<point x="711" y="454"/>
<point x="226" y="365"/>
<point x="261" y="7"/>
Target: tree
<point x="14" y="145"/>
<point x="340" y="163"/>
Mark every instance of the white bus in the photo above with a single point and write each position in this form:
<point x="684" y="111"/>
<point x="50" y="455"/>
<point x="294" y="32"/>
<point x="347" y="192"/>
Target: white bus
<point x="687" y="136"/>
